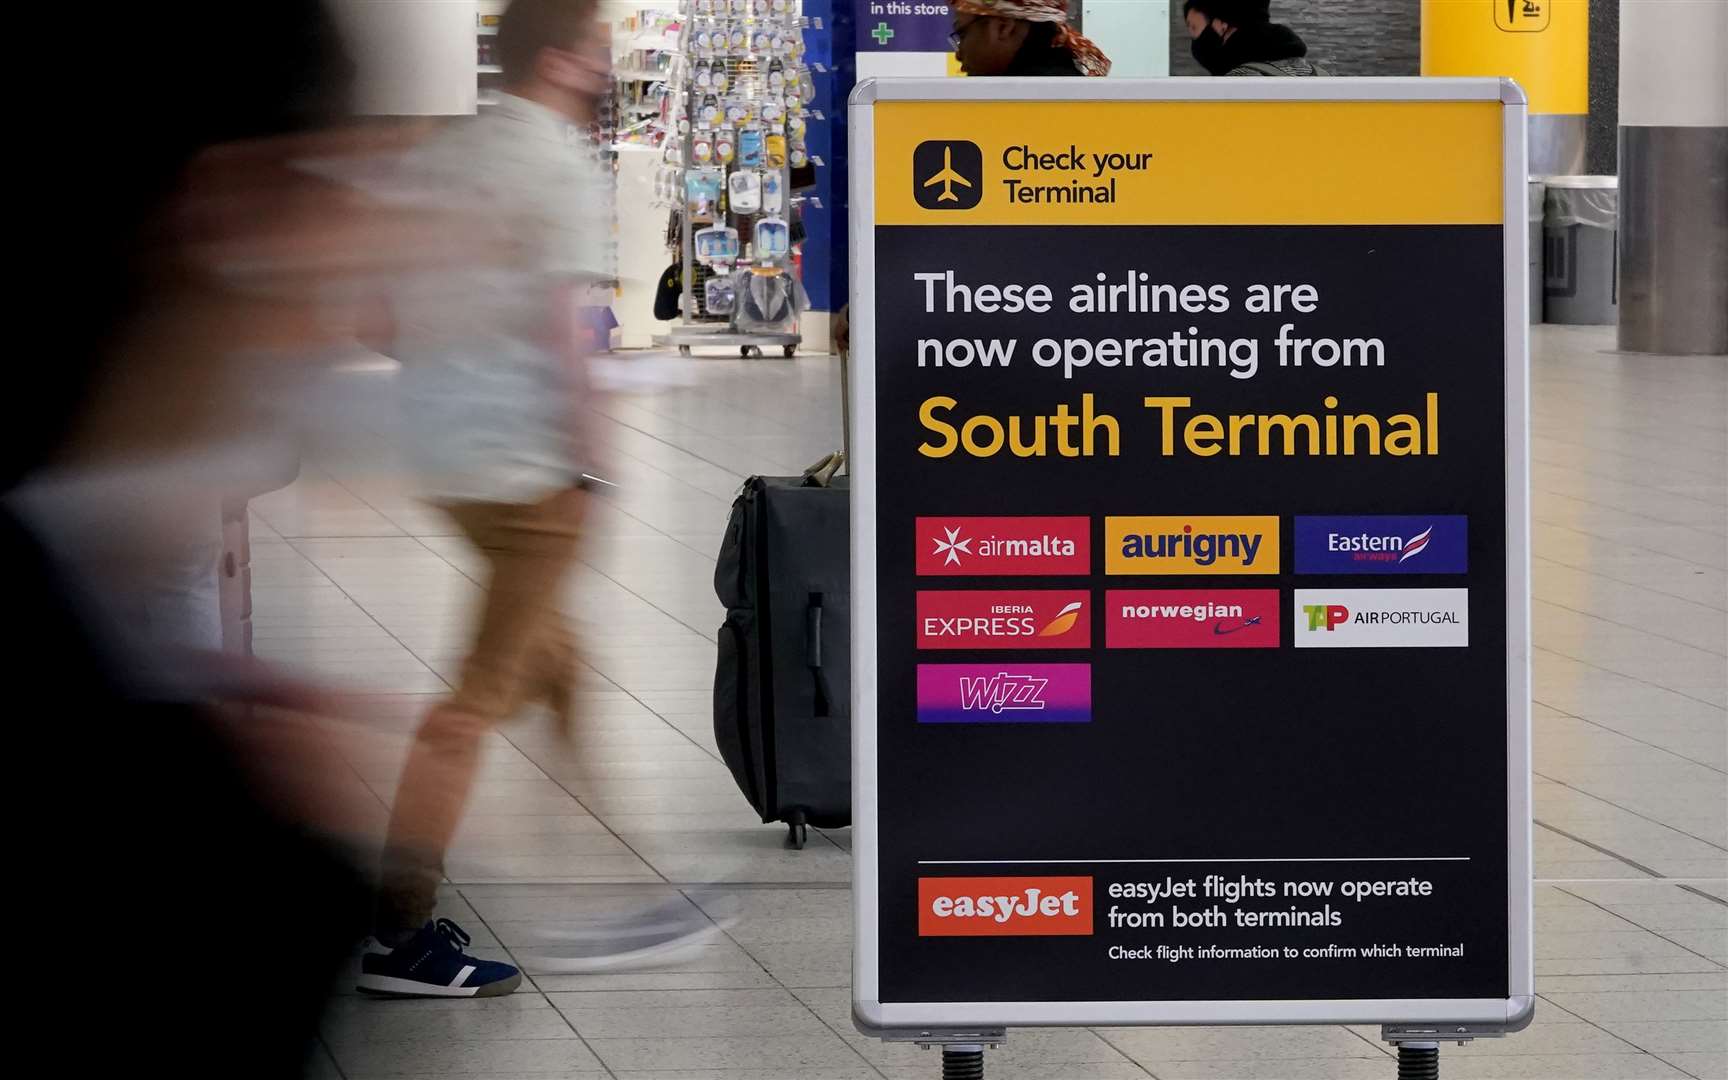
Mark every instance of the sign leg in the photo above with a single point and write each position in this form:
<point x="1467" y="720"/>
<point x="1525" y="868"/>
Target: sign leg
<point x="1418" y="1061"/>
<point x="963" y="1062"/>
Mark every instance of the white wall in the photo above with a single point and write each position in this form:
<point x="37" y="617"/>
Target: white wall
<point x="414" y="57"/>
<point x="1134" y="34"/>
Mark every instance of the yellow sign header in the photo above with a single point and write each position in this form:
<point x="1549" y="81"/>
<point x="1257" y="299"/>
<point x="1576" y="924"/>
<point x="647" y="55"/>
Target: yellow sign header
<point x="1188" y="163"/>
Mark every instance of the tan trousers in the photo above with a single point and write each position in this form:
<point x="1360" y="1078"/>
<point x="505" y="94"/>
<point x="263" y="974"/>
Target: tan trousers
<point x="522" y="652"/>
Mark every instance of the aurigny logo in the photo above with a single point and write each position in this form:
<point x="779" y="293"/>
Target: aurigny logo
<point x="947" y="175"/>
<point x="1003" y="692"/>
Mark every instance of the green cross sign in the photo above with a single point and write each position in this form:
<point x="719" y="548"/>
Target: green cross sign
<point x="882" y="33"/>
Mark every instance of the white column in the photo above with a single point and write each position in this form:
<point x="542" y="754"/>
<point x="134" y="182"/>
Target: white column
<point x="1674" y="176"/>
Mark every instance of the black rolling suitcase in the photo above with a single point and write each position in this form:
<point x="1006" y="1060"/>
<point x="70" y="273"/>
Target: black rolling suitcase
<point x="782" y="705"/>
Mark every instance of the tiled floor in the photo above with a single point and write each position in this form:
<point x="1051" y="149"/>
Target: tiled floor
<point x="360" y="585"/>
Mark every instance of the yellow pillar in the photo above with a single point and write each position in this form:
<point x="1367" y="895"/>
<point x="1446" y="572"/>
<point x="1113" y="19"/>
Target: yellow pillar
<point x="1543" y="44"/>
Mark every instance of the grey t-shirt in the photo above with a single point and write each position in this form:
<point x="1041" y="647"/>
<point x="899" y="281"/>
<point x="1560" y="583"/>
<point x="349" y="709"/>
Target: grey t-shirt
<point x="491" y="405"/>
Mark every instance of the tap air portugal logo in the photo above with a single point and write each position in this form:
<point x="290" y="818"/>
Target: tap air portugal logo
<point x="1006" y="546"/>
<point x="1005" y="693"/>
<point x="1381" y="618"/>
<point x="1005" y="907"/>
<point x="1190" y="545"/>
<point x="1383" y="544"/>
<point x="1000" y="619"/>
<point x="947" y="175"/>
<point x="1191" y="619"/>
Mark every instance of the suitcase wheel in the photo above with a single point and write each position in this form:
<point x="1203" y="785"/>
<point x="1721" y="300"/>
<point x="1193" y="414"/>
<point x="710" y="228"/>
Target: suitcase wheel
<point x="797" y="830"/>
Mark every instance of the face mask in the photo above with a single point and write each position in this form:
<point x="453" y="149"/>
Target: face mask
<point x="1208" y="50"/>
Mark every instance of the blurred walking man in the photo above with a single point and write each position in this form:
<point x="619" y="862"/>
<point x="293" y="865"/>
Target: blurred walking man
<point x="494" y="391"/>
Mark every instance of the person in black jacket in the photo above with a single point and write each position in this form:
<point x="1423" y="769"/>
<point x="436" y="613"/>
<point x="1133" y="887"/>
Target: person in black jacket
<point x="1021" y="37"/>
<point x="1238" y="37"/>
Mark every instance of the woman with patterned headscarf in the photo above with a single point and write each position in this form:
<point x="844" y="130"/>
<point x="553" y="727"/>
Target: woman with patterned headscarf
<point x="1021" y="37"/>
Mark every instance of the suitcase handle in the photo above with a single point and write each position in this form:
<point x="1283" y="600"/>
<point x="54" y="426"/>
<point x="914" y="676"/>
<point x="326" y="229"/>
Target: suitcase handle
<point x="813" y="632"/>
<point x="813" y="653"/>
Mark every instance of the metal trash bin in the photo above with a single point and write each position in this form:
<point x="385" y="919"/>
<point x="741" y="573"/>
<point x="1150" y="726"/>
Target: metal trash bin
<point x="1580" y="250"/>
<point x="1538" y="197"/>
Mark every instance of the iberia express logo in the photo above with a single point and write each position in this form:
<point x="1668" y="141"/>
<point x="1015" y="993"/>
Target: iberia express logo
<point x="947" y="174"/>
<point x="1005" y="907"/>
<point x="1007" y="546"/>
<point x="1004" y="619"/>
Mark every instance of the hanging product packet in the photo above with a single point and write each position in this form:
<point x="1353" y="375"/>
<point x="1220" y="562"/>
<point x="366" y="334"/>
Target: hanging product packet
<point x="744" y="189"/>
<point x="750" y="148"/>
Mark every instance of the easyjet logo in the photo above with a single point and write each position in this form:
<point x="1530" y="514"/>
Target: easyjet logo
<point x="1005" y="907"/>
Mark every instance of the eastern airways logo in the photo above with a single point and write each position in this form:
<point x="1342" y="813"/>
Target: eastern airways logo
<point x="947" y="174"/>
<point x="1383" y="544"/>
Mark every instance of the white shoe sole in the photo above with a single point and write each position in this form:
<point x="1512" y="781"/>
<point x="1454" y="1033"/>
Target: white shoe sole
<point x="646" y="957"/>
<point x="390" y="986"/>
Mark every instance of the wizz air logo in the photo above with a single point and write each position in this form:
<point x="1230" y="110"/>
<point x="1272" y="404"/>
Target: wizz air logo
<point x="1003" y="692"/>
<point x="988" y="694"/>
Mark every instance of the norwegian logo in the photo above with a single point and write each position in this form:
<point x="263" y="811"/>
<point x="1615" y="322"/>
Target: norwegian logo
<point x="1005" y="907"/>
<point x="1004" y="619"/>
<point x="1190" y="545"/>
<point x="1004" y="546"/>
<point x="1004" y="693"/>
<point x="1191" y="619"/>
<point x="1383" y="544"/>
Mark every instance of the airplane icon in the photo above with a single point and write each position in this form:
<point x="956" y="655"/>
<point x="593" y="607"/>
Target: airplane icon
<point x="948" y="178"/>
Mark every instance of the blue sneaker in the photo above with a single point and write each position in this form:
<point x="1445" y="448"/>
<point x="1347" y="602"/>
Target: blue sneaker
<point x="432" y="964"/>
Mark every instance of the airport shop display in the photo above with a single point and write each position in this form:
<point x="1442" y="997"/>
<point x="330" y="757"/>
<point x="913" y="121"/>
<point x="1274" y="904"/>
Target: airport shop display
<point x="737" y="118"/>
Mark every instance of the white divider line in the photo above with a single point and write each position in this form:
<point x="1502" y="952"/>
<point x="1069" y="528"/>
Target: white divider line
<point x="1103" y="862"/>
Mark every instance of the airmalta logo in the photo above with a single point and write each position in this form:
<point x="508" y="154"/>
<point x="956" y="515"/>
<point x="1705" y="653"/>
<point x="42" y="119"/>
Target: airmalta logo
<point x="1191" y="619"/>
<point x="1191" y="545"/>
<point x="1005" y="907"/>
<point x="947" y="175"/>
<point x="1006" y="693"/>
<point x="1002" y="619"/>
<point x="1007" y="546"/>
